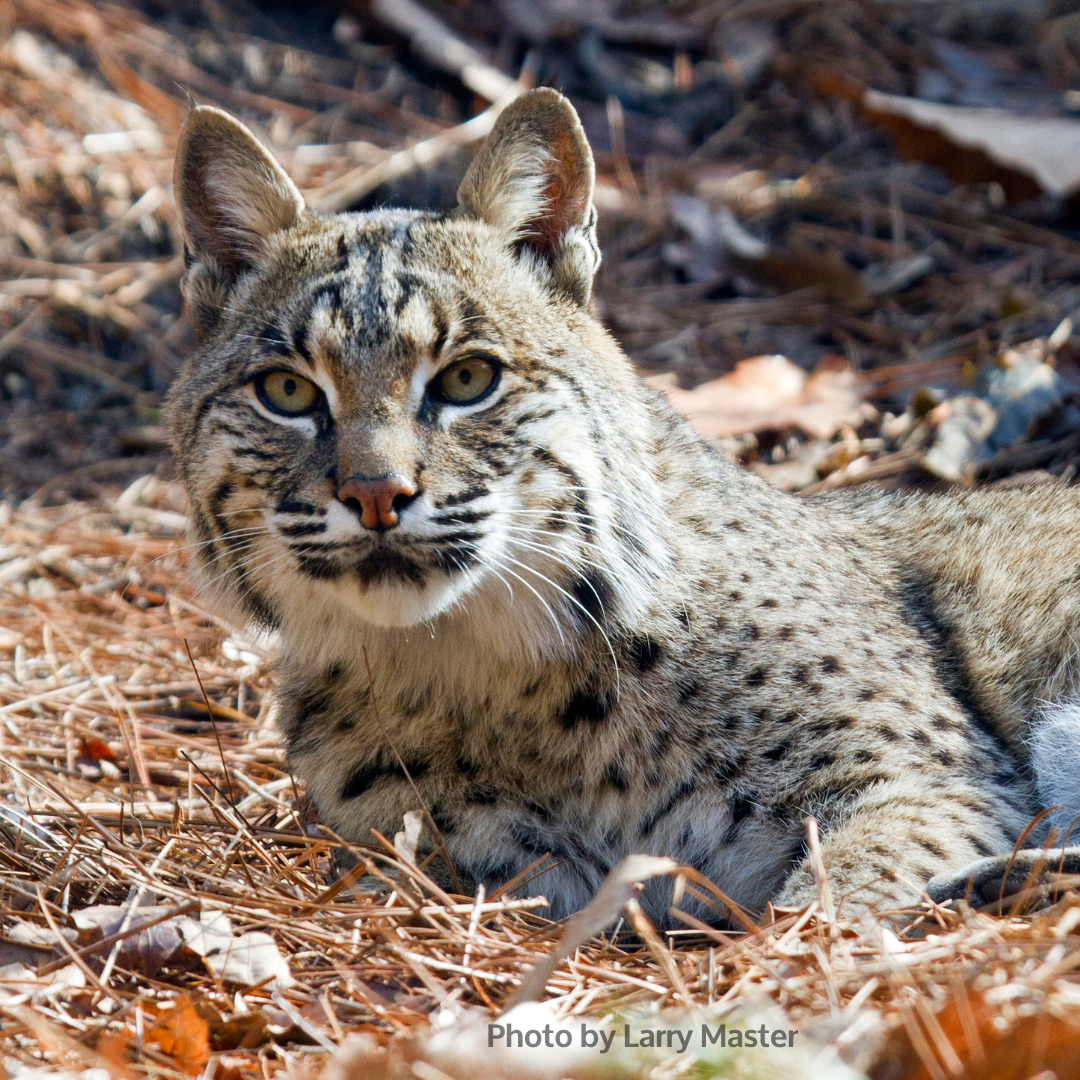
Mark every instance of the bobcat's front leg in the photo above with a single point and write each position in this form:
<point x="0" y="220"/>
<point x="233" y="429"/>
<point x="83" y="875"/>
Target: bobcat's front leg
<point x="881" y="848"/>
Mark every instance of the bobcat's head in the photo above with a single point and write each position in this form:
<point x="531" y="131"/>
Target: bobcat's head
<point x="393" y="412"/>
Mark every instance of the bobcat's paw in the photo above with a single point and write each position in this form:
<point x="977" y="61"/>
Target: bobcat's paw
<point x="982" y="882"/>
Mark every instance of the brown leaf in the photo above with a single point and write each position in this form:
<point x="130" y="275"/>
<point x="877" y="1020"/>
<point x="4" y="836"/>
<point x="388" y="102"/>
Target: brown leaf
<point x="1026" y="155"/>
<point x="147" y="950"/>
<point x="242" y="1032"/>
<point x="184" y="1036"/>
<point x="1033" y="1045"/>
<point x="791" y="268"/>
<point x="771" y="393"/>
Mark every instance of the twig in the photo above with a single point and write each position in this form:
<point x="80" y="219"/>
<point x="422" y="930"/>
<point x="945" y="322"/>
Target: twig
<point x="432" y="40"/>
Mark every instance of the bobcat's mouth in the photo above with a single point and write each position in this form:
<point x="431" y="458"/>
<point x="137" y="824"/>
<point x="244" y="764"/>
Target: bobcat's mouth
<point x="389" y="567"/>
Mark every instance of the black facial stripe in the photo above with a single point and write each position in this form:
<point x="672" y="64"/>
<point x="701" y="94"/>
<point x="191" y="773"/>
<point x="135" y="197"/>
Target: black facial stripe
<point x="461" y="517"/>
<point x="455" y="558"/>
<point x="309" y="528"/>
<point x="442" y="329"/>
<point x="320" y="569"/>
<point x="290" y="505"/>
<point x="460" y="498"/>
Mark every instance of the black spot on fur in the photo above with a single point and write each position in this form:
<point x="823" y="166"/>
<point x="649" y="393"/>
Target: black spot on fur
<point x="688" y="689"/>
<point x="584" y="706"/>
<point x="831" y="665"/>
<point x="685" y="789"/>
<point x="741" y="809"/>
<point x="726" y="771"/>
<point x="646" y="653"/>
<point x="758" y="677"/>
<point x="930" y="847"/>
<point x="615" y="775"/>
<point x="769" y="603"/>
<point x="592" y="592"/>
<point x="364" y="776"/>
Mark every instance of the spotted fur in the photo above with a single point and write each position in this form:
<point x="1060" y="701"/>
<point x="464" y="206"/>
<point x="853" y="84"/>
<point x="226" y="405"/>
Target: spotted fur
<point x="587" y="635"/>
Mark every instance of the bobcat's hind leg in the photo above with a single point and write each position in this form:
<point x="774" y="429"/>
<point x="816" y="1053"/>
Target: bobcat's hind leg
<point x="984" y="882"/>
<point x="882" y="847"/>
<point x="1055" y="760"/>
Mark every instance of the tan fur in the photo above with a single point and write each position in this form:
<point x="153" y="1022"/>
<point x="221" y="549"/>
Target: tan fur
<point x="588" y="635"/>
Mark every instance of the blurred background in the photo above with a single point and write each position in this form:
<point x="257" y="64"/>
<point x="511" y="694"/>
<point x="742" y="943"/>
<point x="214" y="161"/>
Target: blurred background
<point x="843" y="236"/>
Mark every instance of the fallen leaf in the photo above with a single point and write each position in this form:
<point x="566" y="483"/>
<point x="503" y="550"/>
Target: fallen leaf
<point x="1025" y="154"/>
<point x="96" y="750"/>
<point x="183" y="1035"/>
<point x="960" y="441"/>
<point x="146" y="951"/>
<point x="1003" y="1051"/>
<point x="771" y="393"/>
<point x="244" y="1031"/>
<point x="240" y="960"/>
<point x="722" y="245"/>
<point x="17" y="980"/>
<point x="1023" y="388"/>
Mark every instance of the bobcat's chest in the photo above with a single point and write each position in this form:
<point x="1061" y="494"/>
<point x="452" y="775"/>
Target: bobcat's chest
<point x="516" y="779"/>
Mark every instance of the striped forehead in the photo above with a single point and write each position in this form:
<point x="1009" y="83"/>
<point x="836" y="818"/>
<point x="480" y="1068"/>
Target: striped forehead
<point x="379" y="298"/>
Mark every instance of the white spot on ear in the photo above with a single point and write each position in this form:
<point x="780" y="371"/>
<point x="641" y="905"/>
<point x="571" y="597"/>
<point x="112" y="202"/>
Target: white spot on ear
<point x="1055" y="757"/>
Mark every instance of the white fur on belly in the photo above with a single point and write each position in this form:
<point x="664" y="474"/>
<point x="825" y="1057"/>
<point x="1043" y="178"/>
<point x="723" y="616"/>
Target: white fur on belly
<point x="1055" y="757"/>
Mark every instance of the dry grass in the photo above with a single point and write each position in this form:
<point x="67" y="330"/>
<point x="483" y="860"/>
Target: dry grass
<point x="117" y="782"/>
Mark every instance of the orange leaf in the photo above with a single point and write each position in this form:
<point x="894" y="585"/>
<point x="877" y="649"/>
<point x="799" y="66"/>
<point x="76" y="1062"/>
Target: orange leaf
<point x="96" y="749"/>
<point x="184" y="1036"/>
<point x="1029" y="1047"/>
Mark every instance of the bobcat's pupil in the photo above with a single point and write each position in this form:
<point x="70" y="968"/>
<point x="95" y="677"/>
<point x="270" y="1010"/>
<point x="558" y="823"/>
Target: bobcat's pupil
<point x="465" y="376"/>
<point x="290" y="387"/>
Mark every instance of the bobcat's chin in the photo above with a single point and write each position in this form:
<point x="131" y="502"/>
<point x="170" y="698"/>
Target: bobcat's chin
<point x="394" y="604"/>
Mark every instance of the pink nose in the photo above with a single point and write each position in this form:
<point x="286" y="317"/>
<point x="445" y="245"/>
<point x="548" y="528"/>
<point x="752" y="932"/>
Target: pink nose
<point x="377" y="498"/>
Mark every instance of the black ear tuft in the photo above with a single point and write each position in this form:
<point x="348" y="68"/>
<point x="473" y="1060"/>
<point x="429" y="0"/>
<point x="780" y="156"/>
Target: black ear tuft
<point x="533" y="178"/>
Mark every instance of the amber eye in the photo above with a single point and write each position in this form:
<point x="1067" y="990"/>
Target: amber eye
<point x="466" y="381"/>
<point x="286" y="393"/>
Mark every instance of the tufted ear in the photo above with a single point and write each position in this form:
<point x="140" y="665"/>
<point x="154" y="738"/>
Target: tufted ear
<point x="533" y="178"/>
<point x="232" y="196"/>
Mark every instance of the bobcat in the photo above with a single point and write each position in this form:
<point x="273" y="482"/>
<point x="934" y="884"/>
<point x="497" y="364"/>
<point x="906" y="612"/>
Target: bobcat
<point x="508" y="580"/>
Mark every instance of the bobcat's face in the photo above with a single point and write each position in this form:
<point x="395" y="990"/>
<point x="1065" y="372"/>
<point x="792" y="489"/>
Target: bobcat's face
<point x="390" y="345"/>
<point x="390" y="412"/>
